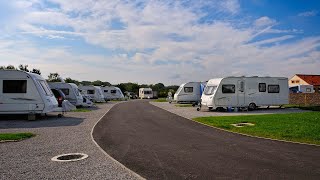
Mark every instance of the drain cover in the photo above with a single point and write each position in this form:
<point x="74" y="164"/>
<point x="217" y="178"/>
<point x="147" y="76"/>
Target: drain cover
<point x="242" y="124"/>
<point x="69" y="157"/>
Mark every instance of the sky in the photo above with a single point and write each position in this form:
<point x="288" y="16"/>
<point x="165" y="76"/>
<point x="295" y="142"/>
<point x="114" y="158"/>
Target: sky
<point x="166" y="41"/>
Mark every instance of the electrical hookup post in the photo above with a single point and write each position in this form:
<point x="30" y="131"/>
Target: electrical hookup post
<point x="169" y="98"/>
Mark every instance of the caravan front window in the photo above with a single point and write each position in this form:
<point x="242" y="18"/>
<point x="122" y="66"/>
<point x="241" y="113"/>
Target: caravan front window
<point x="210" y="90"/>
<point x="65" y="91"/>
<point x="113" y="91"/>
<point x="45" y="88"/>
<point x="14" y="86"/>
<point x="188" y="89"/>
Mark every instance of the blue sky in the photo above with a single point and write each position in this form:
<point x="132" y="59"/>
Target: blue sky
<point x="161" y="41"/>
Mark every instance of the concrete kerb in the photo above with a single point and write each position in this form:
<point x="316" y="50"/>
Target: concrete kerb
<point x="285" y="141"/>
<point x="114" y="160"/>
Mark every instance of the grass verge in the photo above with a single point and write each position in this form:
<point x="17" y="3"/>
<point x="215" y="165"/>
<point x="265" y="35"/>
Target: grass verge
<point x="15" y="136"/>
<point x="183" y="105"/>
<point x="310" y="108"/>
<point x="160" y="100"/>
<point x="298" y="127"/>
<point x="81" y="110"/>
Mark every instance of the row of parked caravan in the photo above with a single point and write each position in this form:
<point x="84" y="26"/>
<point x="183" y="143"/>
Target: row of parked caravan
<point x="29" y="93"/>
<point x="235" y="92"/>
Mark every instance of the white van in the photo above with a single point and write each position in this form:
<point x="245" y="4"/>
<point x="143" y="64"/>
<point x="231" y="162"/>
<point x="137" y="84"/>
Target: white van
<point x="25" y="93"/>
<point x="302" y="89"/>
<point x="93" y="92"/>
<point x="245" y="92"/>
<point x="189" y="92"/>
<point x="71" y="91"/>
<point x="111" y="92"/>
<point x="145" y="93"/>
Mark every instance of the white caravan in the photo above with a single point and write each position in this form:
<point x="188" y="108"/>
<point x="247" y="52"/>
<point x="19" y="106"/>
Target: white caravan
<point x="302" y="89"/>
<point x="189" y="92"/>
<point x="245" y="92"/>
<point x="145" y="93"/>
<point x="111" y="92"/>
<point x="93" y="92"/>
<point x="25" y="93"/>
<point x="71" y="91"/>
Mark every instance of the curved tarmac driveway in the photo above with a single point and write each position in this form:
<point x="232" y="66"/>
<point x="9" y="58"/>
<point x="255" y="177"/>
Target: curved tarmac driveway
<point x="160" y="145"/>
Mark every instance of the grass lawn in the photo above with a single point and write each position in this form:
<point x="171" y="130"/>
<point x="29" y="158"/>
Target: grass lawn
<point x="299" y="127"/>
<point x="160" y="100"/>
<point x="183" y="105"/>
<point x="81" y="110"/>
<point x="15" y="136"/>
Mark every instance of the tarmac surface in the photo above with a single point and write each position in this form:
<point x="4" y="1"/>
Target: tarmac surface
<point x="157" y="144"/>
<point x="31" y="158"/>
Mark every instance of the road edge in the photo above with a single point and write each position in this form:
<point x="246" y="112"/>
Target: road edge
<point x="105" y="153"/>
<point x="279" y="140"/>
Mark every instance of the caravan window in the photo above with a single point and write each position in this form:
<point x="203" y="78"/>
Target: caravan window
<point x="188" y="89"/>
<point x="90" y="91"/>
<point x="45" y="88"/>
<point x="147" y="92"/>
<point x="228" y="88"/>
<point x="273" y="88"/>
<point x="262" y="87"/>
<point x="14" y="86"/>
<point x="210" y="90"/>
<point x="113" y="91"/>
<point x="76" y="91"/>
<point x="65" y="91"/>
<point x="105" y="90"/>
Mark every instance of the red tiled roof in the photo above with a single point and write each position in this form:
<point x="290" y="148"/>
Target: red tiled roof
<point x="310" y="79"/>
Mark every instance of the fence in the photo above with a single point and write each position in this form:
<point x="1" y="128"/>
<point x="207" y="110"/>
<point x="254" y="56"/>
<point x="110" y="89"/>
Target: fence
<point x="304" y="98"/>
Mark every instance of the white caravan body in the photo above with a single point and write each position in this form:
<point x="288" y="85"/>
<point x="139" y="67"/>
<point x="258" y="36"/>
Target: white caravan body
<point x="93" y="92"/>
<point x="145" y="93"/>
<point x="71" y="91"/>
<point x="25" y="93"/>
<point x="111" y="92"/>
<point x="245" y="92"/>
<point x="189" y="92"/>
<point x="302" y="89"/>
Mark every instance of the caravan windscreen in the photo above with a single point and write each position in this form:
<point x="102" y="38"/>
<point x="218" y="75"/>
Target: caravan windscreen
<point x="209" y="90"/>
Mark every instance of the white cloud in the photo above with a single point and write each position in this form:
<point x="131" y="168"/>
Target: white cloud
<point x="308" y="13"/>
<point x="163" y="39"/>
<point x="264" y="21"/>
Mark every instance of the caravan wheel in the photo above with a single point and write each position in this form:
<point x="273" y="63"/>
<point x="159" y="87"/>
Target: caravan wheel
<point x="252" y="106"/>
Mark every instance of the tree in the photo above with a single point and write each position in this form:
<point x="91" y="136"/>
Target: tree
<point x="69" y="80"/>
<point x="23" y="68"/>
<point x="54" y="77"/>
<point x="106" y="83"/>
<point x="97" y="83"/>
<point x="36" y="71"/>
<point x="3" y="67"/>
<point x="10" y="67"/>
<point x="86" y="83"/>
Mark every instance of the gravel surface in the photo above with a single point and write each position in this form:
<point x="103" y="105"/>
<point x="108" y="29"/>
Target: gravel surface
<point x="191" y="112"/>
<point x="31" y="158"/>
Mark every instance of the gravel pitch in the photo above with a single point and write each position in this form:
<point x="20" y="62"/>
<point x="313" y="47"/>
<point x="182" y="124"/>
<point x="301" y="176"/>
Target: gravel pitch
<point x="191" y="112"/>
<point x="31" y="158"/>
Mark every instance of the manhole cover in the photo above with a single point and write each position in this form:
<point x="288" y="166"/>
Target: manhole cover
<point x="69" y="157"/>
<point x="242" y="124"/>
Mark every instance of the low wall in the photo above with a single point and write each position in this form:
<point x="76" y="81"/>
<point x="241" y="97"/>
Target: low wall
<point x="304" y="98"/>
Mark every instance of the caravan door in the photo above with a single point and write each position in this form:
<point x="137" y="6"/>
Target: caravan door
<point x="241" y="93"/>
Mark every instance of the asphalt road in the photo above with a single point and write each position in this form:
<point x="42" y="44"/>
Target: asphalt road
<point x="160" y="145"/>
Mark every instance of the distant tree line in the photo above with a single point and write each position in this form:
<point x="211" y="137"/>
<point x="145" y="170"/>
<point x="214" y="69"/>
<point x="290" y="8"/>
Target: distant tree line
<point x="130" y="87"/>
<point x="22" y="68"/>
